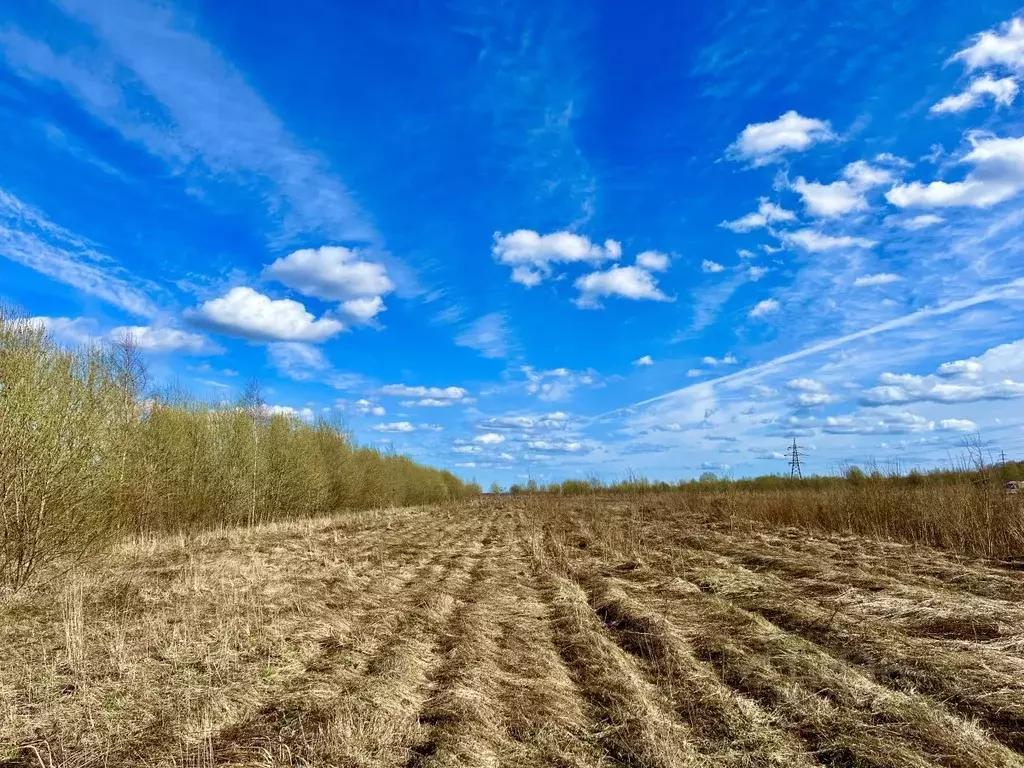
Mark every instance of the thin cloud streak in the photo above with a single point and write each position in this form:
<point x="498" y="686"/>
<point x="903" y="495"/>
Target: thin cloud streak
<point x="1012" y="290"/>
<point x="29" y="238"/>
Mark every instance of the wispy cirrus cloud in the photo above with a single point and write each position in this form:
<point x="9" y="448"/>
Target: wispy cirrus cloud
<point x="155" y="339"/>
<point x="28" y="237"/>
<point x="489" y="335"/>
<point x="205" y="118"/>
<point x="528" y="80"/>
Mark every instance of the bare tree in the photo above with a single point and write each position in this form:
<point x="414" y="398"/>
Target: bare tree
<point x="252" y="404"/>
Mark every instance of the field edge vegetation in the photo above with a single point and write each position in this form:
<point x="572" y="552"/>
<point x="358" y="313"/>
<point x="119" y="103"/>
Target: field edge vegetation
<point x="88" y="454"/>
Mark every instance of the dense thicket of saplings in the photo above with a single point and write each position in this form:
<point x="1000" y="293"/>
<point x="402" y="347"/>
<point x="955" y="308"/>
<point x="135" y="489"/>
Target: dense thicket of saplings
<point x="88" y="454"/>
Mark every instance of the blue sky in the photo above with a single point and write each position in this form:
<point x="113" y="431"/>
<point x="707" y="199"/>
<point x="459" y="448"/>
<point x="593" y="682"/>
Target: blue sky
<point x="539" y="239"/>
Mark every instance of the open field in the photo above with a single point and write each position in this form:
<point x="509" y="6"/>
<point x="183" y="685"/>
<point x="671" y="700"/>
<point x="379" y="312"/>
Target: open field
<point x="518" y="631"/>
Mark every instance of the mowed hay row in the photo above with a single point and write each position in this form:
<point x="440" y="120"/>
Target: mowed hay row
<point x="462" y="722"/>
<point x="845" y="717"/>
<point x="544" y="707"/>
<point x="635" y="722"/>
<point x="468" y="710"/>
<point x="309" y="721"/>
<point x="504" y="695"/>
<point x="842" y="715"/>
<point x="509" y="633"/>
<point x="923" y="608"/>
<point x="964" y="672"/>
<point x="167" y="647"/>
<point x="863" y="563"/>
<point x="729" y="729"/>
<point x="379" y="721"/>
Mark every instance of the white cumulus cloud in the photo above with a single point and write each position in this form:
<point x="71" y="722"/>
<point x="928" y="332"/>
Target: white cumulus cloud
<point x="844" y="196"/>
<point x="251" y="315"/>
<point x="362" y="311"/>
<point x="867" y="424"/>
<point x="958" y="425"/>
<point x="910" y="388"/>
<point x="334" y="273"/>
<point x="804" y="384"/>
<point x="306" y="414"/>
<point x="364" y="407"/>
<point x="555" y="384"/>
<point x="829" y="200"/>
<point x="531" y="254"/>
<point x="729" y="359"/>
<point x="156" y="339"/>
<point x="399" y="427"/>
<point x="438" y="393"/>
<point x="763" y="143"/>
<point x="557" y="446"/>
<point x="395" y="426"/>
<point x="968" y="369"/>
<point x="767" y="213"/>
<point x="813" y="241"/>
<point x="1003" y="91"/>
<point x="764" y="308"/>
<point x="634" y="283"/>
<point x="996" y="176"/>
<point x="922" y="221"/>
<point x="652" y="261"/>
<point x="1002" y="47"/>
<point x="645" y="360"/>
<point x="863" y="175"/>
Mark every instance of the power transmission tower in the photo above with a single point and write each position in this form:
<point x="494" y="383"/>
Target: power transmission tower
<point x="794" y="461"/>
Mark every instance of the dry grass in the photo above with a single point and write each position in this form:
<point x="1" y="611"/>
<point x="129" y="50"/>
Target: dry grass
<point x="962" y="516"/>
<point x="966" y="510"/>
<point x="528" y="631"/>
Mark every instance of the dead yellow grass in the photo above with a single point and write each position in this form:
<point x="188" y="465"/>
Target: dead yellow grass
<point x="530" y="631"/>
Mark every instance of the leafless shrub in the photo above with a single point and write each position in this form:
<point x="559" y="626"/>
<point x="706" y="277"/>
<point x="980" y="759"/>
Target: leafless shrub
<point x="86" y="453"/>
